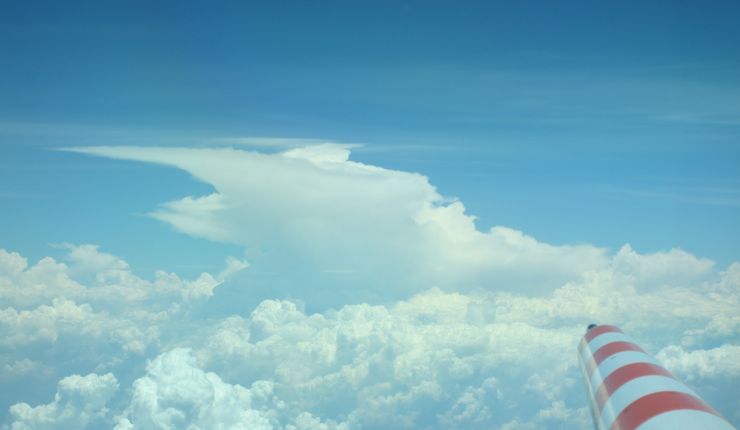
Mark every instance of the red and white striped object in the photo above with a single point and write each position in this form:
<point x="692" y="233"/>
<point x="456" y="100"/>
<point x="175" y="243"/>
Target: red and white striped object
<point x="630" y="390"/>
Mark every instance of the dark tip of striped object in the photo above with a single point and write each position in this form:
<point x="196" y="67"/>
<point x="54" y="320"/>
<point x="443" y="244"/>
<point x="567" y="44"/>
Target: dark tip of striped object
<point x="590" y="326"/>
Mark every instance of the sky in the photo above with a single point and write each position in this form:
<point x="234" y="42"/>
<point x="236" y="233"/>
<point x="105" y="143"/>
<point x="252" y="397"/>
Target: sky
<point x="340" y="215"/>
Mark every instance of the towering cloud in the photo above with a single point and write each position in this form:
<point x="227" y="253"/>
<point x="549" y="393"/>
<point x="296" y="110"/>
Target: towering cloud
<point x="393" y="311"/>
<point x="390" y="233"/>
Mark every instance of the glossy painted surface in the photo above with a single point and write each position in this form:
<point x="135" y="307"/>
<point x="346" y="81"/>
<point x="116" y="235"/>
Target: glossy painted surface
<point x="630" y="390"/>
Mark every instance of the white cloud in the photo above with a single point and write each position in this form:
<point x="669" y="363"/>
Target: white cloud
<point x="675" y="266"/>
<point x="437" y="359"/>
<point x="177" y="394"/>
<point x="272" y="142"/>
<point x="91" y="314"/>
<point x="98" y="308"/>
<point x="87" y="259"/>
<point x="233" y="266"/>
<point x="12" y="262"/>
<point x="426" y="361"/>
<point x="700" y="364"/>
<point x="389" y="232"/>
<point x="24" y="286"/>
<point x="64" y="320"/>
<point x="306" y="421"/>
<point x="23" y="368"/>
<point x="714" y="373"/>
<point x="432" y="323"/>
<point x="473" y="406"/>
<point x="79" y="401"/>
<point x="46" y="322"/>
<point x="97" y="277"/>
<point x="314" y="209"/>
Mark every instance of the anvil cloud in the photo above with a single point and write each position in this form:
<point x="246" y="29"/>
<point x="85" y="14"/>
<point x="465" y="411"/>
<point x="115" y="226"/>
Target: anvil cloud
<point x="399" y="312"/>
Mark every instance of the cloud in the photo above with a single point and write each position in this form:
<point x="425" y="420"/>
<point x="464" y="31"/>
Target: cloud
<point x="24" y="286"/>
<point x="371" y="301"/>
<point x="24" y="368"/>
<point x="419" y="363"/>
<point x="700" y="364"/>
<point x="46" y="324"/>
<point x="390" y="233"/>
<point x="274" y="142"/>
<point x="233" y="266"/>
<point x="714" y="373"/>
<point x="314" y="209"/>
<point x="177" y="394"/>
<point x="43" y="323"/>
<point x="437" y="359"/>
<point x="92" y="314"/>
<point x="673" y="267"/>
<point x="97" y="277"/>
<point x="79" y="401"/>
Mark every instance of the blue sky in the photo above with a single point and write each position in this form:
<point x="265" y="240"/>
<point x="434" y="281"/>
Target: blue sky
<point x="571" y="128"/>
<point x="619" y="122"/>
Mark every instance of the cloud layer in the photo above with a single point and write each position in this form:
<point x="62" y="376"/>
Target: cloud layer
<point x="482" y="359"/>
<point x="396" y="313"/>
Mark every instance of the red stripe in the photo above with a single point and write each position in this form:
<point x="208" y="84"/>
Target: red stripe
<point x="608" y="350"/>
<point x="623" y="375"/>
<point x="600" y="330"/>
<point x="654" y="404"/>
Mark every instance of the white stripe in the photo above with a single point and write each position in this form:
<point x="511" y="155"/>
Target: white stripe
<point x="608" y="337"/>
<point x="591" y="399"/>
<point x="686" y="419"/>
<point x="584" y="351"/>
<point x="635" y="389"/>
<point x="602" y="340"/>
<point x="616" y="361"/>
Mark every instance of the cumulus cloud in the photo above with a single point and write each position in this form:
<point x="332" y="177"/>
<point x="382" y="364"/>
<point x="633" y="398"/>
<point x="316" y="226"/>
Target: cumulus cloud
<point x="713" y="373"/>
<point x="674" y="267"/>
<point x="93" y="276"/>
<point x="699" y="364"/>
<point x="46" y="322"/>
<point x="424" y="362"/>
<point x="21" y="285"/>
<point x="438" y="359"/>
<point x="90" y="313"/>
<point x="79" y="401"/>
<point x="109" y="306"/>
<point x="177" y="394"/>
<point x="387" y="308"/>
<point x="65" y="321"/>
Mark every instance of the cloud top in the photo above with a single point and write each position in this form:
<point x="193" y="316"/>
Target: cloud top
<point x="368" y="301"/>
<point x="316" y="210"/>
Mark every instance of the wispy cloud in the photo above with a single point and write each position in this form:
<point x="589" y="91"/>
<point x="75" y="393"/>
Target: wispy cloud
<point x="271" y="142"/>
<point x="694" y="195"/>
<point x="338" y="271"/>
<point x="702" y="118"/>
